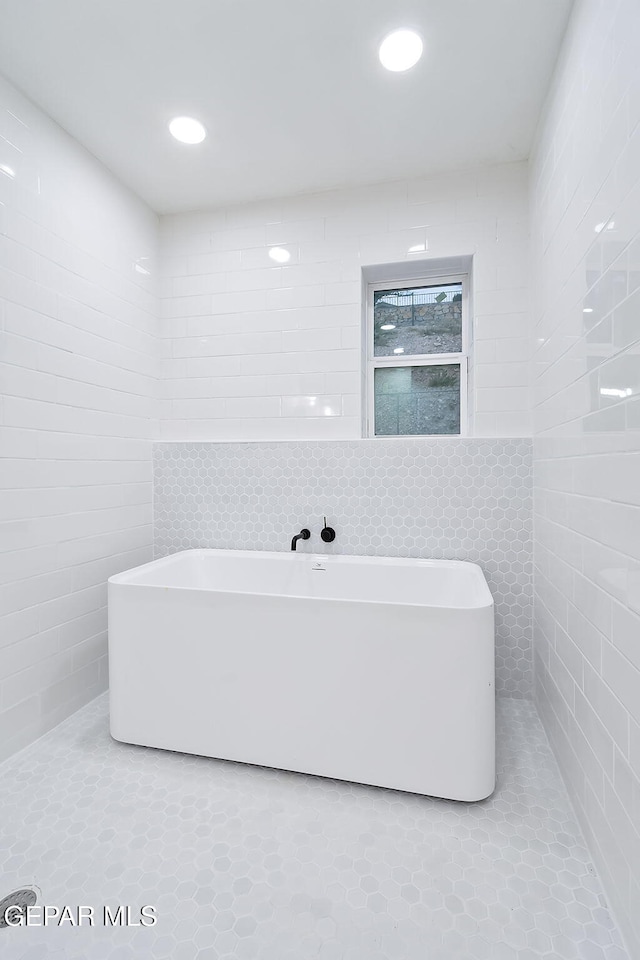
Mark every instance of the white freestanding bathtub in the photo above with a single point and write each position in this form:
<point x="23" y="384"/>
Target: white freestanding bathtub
<point x="369" y="669"/>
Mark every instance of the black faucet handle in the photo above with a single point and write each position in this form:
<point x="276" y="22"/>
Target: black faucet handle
<point x="328" y="534"/>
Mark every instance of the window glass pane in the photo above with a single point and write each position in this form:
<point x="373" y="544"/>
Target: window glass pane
<point x="417" y="400"/>
<point x="417" y="320"/>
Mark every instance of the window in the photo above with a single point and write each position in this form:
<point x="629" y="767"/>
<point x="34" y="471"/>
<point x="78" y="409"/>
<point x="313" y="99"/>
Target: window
<point x="417" y="358"/>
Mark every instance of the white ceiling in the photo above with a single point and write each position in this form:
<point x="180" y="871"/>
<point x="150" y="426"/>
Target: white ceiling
<point x="291" y="91"/>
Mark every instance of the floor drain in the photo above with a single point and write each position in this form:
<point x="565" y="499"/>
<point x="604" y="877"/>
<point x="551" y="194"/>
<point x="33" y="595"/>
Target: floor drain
<point x="12" y="906"/>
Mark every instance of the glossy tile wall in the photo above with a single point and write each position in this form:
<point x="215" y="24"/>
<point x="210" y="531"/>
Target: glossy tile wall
<point x="466" y="499"/>
<point x="78" y="366"/>
<point x="586" y="248"/>
<point x="252" y="349"/>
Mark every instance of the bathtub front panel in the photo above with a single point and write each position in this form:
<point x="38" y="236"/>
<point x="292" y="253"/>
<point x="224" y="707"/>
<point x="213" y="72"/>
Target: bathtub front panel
<point x="391" y="695"/>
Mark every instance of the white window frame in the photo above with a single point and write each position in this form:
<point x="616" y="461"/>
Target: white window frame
<point x="420" y="359"/>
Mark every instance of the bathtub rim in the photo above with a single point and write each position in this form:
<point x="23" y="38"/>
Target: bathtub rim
<point x="126" y="577"/>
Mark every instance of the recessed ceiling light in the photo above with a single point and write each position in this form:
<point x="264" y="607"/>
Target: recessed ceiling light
<point x="400" y="50"/>
<point x="399" y="350"/>
<point x="388" y="326"/>
<point x="588" y="310"/>
<point x="417" y="248"/>
<point x="279" y="254"/>
<point x="9" y="171"/>
<point x="187" y="130"/>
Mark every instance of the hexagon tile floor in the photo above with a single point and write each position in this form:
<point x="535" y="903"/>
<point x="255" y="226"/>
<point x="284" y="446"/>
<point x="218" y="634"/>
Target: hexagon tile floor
<point x="244" y="862"/>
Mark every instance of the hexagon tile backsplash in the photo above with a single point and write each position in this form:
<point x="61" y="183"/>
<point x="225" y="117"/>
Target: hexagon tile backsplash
<point x="462" y="499"/>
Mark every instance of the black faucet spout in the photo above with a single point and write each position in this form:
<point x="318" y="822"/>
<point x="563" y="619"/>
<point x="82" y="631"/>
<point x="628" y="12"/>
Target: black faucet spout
<point x="303" y="535"/>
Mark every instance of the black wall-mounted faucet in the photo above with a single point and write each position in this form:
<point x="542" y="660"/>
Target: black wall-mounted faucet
<point x="303" y="535"/>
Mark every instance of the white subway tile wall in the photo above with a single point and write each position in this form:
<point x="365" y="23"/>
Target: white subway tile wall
<point x="78" y="367"/>
<point x="586" y="244"/>
<point x="464" y="499"/>
<point x="247" y="341"/>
